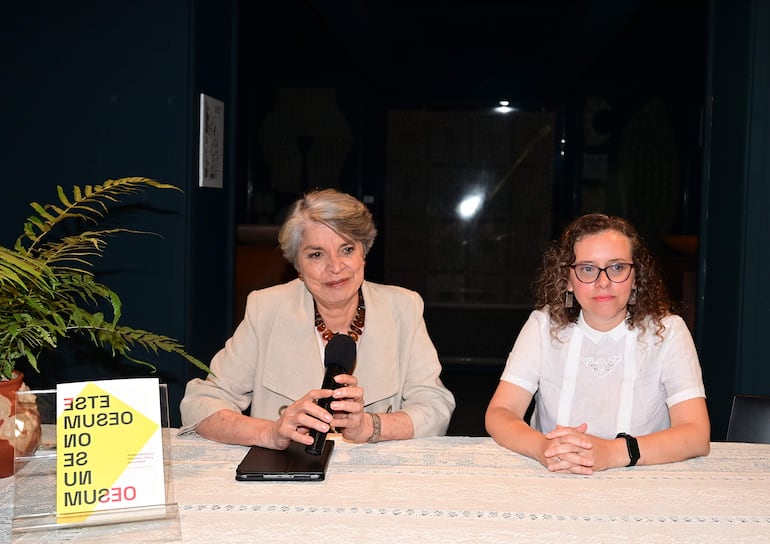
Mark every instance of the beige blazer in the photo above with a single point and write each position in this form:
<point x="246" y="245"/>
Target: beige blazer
<point x="274" y="358"/>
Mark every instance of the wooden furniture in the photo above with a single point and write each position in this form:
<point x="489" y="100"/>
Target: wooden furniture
<point x="258" y="263"/>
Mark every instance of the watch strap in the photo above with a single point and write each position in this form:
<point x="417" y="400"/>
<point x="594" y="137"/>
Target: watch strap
<point x="633" y="448"/>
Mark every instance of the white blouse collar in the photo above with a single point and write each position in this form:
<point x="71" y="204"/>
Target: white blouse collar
<point x="595" y="336"/>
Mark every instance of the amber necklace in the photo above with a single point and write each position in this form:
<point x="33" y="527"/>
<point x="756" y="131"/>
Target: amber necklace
<point x="356" y="327"/>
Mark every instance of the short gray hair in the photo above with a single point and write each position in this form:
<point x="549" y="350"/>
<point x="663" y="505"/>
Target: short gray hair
<point x="344" y="214"/>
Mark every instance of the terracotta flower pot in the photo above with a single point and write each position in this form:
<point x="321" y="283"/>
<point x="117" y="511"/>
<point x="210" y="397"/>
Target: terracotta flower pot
<point x="19" y="425"/>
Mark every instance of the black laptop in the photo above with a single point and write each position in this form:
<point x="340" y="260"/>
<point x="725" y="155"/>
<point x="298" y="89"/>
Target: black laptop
<point x="292" y="464"/>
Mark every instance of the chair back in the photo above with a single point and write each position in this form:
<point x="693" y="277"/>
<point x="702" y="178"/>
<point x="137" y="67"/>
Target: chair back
<point x="749" y="419"/>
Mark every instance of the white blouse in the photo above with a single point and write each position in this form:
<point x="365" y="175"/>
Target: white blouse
<point x="615" y="381"/>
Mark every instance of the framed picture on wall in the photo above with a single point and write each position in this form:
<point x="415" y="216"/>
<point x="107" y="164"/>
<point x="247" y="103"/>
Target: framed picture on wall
<point x="212" y="141"/>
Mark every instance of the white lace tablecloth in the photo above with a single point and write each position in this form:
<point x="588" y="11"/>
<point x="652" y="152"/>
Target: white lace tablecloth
<point x="458" y="489"/>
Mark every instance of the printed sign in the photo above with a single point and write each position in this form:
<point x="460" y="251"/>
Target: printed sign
<point x="109" y="447"/>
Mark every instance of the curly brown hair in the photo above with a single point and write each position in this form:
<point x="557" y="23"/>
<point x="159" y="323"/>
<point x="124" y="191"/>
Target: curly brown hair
<point x="652" y="299"/>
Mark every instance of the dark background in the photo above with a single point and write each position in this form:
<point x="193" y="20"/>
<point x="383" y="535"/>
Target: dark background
<point x="111" y="90"/>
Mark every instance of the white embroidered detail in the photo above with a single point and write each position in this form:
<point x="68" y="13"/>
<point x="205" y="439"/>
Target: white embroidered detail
<point x="601" y="366"/>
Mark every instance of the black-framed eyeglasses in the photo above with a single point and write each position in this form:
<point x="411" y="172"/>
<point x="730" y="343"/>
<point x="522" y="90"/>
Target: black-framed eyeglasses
<point x="589" y="273"/>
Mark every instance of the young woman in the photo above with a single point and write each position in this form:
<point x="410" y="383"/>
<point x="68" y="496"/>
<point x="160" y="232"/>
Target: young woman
<point x="613" y="371"/>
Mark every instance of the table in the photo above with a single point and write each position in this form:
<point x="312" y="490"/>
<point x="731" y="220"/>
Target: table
<point x="465" y="489"/>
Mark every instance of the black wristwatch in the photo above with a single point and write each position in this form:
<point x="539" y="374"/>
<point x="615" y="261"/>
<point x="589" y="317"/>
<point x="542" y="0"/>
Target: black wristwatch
<point x="633" y="448"/>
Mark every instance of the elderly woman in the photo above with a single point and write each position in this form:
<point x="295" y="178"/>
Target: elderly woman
<point x="274" y="362"/>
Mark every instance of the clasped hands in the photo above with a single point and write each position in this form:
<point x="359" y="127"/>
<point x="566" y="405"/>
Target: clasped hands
<point x="572" y="450"/>
<point x="346" y="415"/>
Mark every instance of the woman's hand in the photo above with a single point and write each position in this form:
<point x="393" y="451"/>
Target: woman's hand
<point x="570" y="449"/>
<point x="347" y="407"/>
<point x="299" y="418"/>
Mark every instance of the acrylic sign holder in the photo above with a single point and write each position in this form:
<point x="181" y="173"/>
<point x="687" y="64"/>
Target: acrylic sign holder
<point x="35" y="519"/>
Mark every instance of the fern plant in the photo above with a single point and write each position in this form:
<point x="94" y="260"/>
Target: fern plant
<point x="48" y="291"/>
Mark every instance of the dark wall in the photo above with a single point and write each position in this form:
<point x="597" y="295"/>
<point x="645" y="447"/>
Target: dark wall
<point x="733" y="302"/>
<point x="108" y="90"/>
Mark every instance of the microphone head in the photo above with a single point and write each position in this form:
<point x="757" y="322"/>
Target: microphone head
<point x="340" y="351"/>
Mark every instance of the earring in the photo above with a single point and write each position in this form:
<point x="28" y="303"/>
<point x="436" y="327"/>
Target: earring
<point x="632" y="298"/>
<point x="569" y="299"/>
<point x="299" y="276"/>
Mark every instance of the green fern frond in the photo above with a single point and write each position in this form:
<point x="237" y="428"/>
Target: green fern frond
<point x="122" y="339"/>
<point x="89" y="205"/>
<point x="48" y="290"/>
<point x="77" y="250"/>
<point x="23" y="272"/>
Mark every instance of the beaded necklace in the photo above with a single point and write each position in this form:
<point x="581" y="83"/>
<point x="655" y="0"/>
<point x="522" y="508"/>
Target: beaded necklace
<point x="356" y="327"/>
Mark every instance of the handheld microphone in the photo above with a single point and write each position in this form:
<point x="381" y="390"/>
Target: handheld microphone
<point x="339" y="358"/>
